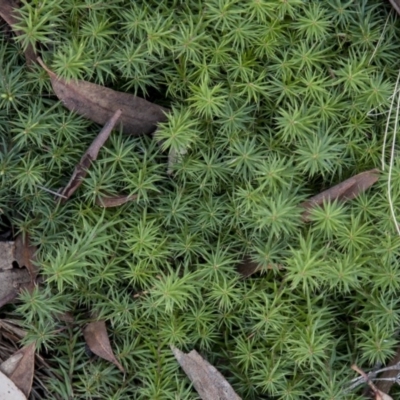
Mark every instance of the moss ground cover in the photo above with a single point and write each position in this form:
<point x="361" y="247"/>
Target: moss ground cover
<point x="270" y="102"/>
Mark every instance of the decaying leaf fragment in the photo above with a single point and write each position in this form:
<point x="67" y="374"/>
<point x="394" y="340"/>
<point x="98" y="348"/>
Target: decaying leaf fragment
<point x="347" y="190"/>
<point x="96" y="338"/>
<point x="90" y="155"/>
<point x="207" y="380"/>
<point x="7" y="255"/>
<point x="25" y="255"/>
<point x="20" y="368"/>
<point x="11" y="281"/>
<point x="8" y="389"/>
<point x="98" y="103"/>
<point x="114" y="201"/>
<point x="8" y="11"/>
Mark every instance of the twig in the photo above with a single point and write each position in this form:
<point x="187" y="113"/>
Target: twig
<point x="388" y="121"/>
<point x="379" y="395"/>
<point x="381" y="37"/>
<point x="391" y="162"/>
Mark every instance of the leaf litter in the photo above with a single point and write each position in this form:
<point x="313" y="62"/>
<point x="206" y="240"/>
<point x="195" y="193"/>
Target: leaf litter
<point x="13" y="279"/>
<point x="344" y="191"/>
<point x="99" y="104"/>
<point x="20" y="368"/>
<point x="96" y="338"/>
<point x="207" y="380"/>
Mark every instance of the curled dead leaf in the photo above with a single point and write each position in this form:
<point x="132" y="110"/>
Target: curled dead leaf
<point x="96" y="338"/>
<point x="98" y="103"/>
<point x="7" y="255"/>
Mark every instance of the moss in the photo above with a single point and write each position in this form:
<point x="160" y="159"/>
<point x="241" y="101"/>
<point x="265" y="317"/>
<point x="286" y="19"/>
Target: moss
<point x="271" y="102"/>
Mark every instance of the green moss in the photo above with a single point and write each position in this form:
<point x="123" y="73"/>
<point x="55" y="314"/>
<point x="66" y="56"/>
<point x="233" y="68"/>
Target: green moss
<point x="272" y="101"/>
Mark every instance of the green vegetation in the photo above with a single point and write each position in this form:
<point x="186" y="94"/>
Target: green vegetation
<point x="271" y="102"/>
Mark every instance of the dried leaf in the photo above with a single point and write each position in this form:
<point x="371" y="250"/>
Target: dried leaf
<point x="396" y="5"/>
<point x="20" y="368"/>
<point x="9" y="14"/>
<point x="347" y="190"/>
<point x="114" y="201"/>
<point x="25" y="255"/>
<point x="382" y="396"/>
<point x="7" y="255"/>
<point x="8" y="366"/>
<point x="99" y="103"/>
<point x="96" y="338"/>
<point x="11" y="281"/>
<point x="207" y="380"/>
<point x="89" y="156"/>
<point x="8" y="389"/>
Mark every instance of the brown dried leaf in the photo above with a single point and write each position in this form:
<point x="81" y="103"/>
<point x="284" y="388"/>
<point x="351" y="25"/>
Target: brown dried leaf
<point x="207" y="380"/>
<point x="99" y="103"/>
<point x="9" y="14"/>
<point x="347" y="190"/>
<point x="396" y="5"/>
<point x="20" y="368"/>
<point x="25" y="255"/>
<point x="11" y="281"/>
<point x="96" y="338"/>
<point x="114" y="201"/>
<point x="89" y="156"/>
<point x="8" y="366"/>
<point x="8" y="389"/>
<point x="7" y="255"/>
